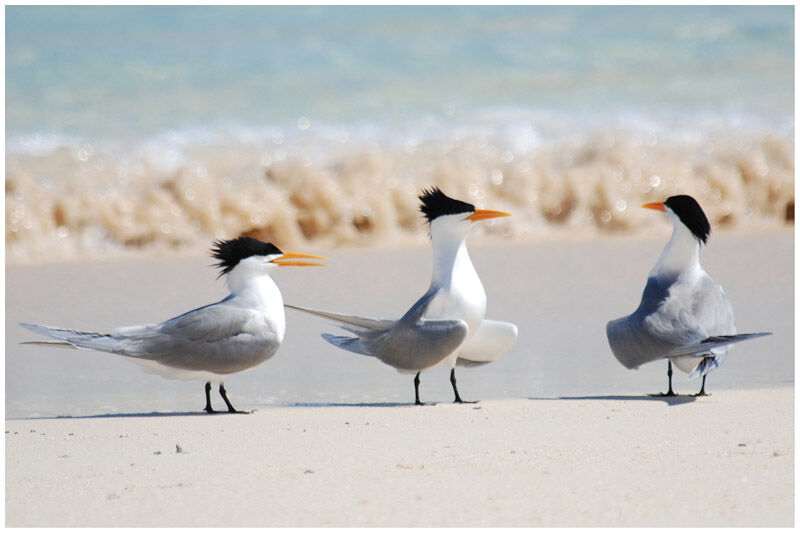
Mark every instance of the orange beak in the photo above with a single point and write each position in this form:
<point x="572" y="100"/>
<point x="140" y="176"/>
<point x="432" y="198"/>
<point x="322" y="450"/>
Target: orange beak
<point x="290" y="255"/>
<point x="658" y="206"/>
<point x="483" y="214"/>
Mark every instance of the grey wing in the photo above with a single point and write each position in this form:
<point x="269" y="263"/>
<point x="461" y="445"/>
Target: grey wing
<point x="671" y="317"/>
<point x="706" y="327"/>
<point x="417" y="347"/>
<point x="349" y="320"/>
<point x="361" y="326"/>
<point x="673" y="320"/>
<point x="662" y="322"/>
<point x="218" y="338"/>
<point x="623" y="336"/>
<point x="89" y="340"/>
<point x="414" y="343"/>
<point x="357" y="323"/>
<point x="211" y="323"/>
<point x="410" y="343"/>
<point x="632" y="339"/>
<point x="712" y="308"/>
<point x="710" y="343"/>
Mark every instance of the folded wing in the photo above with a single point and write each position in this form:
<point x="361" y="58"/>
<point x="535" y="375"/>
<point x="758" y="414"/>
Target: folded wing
<point x="410" y="343"/>
<point x="217" y="338"/>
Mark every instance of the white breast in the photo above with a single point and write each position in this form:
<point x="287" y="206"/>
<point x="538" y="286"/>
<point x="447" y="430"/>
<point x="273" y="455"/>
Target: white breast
<point x="461" y="294"/>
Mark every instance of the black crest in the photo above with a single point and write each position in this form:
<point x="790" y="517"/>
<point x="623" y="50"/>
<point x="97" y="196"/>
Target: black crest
<point x="691" y="214"/>
<point x="435" y="203"/>
<point x="231" y="252"/>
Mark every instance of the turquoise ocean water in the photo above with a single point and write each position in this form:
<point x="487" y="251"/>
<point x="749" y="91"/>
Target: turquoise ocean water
<point x="127" y="72"/>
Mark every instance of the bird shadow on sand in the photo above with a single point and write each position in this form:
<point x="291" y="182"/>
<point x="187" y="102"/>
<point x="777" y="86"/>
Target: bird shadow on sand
<point x="158" y="414"/>
<point x="679" y="399"/>
<point x="154" y="414"/>
<point x="474" y="404"/>
<point x="357" y="404"/>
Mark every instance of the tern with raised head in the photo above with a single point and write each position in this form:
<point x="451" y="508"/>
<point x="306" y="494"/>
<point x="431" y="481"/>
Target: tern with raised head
<point x="446" y="326"/>
<point x="211" y="342"/>
<point x="684" y="316"/>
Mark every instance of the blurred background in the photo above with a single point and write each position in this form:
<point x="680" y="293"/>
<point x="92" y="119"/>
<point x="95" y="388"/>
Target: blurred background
<point x="135" y="134"/>
<point x="150" y="130"/>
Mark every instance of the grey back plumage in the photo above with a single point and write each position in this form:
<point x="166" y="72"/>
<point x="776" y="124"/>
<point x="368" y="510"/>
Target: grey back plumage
<point x="218" y="338"/>
<point x="673" y="314"/>
<point x="410" y="343"/>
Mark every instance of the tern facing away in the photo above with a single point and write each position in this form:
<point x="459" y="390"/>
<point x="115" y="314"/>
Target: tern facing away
<point x="446" y="326"/>
<point x="684" y="316"/>
<point x="211" y="342"/>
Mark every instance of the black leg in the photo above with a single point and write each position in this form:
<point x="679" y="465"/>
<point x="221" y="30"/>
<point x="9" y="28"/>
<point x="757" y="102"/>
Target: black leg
<point x="453" y="383"/>
<point x="702" y="388"/>
<point x="669" y="377"/>
<point x="455" y="389"/>
<point x="416" y="390"/>
<point x="223" y="393"/>
<point x="208" y="408"/>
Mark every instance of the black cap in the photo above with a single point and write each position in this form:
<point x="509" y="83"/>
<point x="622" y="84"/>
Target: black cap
<point x="231" y="252"/>
<point x="691" y="214"/>
<point x="435" y="203"/>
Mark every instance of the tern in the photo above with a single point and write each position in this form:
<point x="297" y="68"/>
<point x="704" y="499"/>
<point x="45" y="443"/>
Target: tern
<point x="446" y="326"/>
<point x="684" y="316"/>
<point x="208" y="343"/>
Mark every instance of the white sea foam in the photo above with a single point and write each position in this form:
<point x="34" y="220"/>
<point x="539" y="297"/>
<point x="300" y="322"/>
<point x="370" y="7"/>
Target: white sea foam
<point x="337" y="185"/>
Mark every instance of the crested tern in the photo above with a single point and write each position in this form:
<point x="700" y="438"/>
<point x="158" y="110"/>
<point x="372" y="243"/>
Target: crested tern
<point x="446" y="326"/>
<point x="208" y="343"/>
<point x="684" y="316"/>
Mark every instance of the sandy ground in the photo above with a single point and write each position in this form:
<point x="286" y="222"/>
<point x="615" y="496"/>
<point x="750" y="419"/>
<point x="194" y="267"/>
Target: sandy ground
<point x="723" y="460"/>
<point x="563" y="434"/>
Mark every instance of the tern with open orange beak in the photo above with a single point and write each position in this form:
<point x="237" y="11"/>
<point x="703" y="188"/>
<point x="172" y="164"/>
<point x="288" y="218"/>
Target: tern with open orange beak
<point x="214" y="341"/>
<point x="447" y="325"/>
<point x="684" y="316"/>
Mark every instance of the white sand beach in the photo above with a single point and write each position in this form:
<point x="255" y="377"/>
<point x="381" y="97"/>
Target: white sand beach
<point x="627" y="460"/>
<point x="563" y="435"/>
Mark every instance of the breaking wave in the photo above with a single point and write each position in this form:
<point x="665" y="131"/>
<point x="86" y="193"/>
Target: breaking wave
<point x="327" y="186"/>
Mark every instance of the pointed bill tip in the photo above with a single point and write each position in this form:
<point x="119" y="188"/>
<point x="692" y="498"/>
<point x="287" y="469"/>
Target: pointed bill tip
<point x="282" y="260"/>
<point x="658" y="206"/>
<point x="483" y="214"/>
